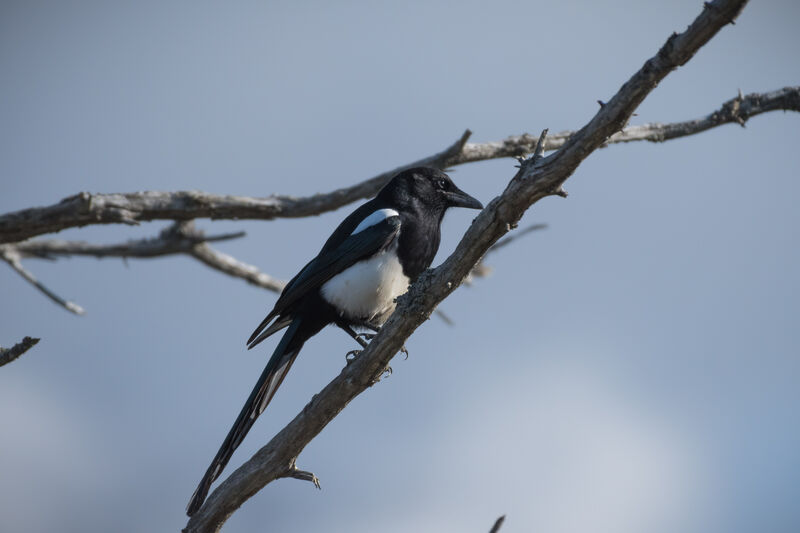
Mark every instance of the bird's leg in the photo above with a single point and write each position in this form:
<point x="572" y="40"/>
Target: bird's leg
<point x="362" y="338"/>
<point x="352" y="354"/>
<point x="369" y="336"/>
<point x="357" y="336"/>
<point x="374" y="328"/>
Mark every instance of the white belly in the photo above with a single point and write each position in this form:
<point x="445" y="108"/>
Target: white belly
<point x="367" y="289"/>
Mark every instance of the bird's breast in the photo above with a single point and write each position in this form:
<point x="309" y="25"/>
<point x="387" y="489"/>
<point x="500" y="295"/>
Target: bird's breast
<point x="365" y="291"/>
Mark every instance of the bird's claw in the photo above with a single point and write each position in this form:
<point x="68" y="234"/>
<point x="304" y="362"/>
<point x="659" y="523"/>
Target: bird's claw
<point x="352" y="355"/>
<point x="404" y="350"/>
<point x="385" y="373"/>
<point x="366" y="336"/>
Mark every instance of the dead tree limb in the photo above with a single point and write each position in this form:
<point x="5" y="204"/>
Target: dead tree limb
<point x="497" y="524"/>
<point x="537" y="178"/>
<point x="179" y="238"/>
<point x="9" y="354"/>
<point x="132" y="208"/>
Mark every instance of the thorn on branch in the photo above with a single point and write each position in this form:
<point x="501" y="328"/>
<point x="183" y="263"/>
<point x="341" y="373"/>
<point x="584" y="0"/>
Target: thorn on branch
<point x="537" y="153"/>
<point x="445" y="317"/>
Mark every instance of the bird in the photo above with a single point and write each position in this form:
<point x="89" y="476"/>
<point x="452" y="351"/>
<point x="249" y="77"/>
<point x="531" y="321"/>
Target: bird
<point x="369" y="260"/>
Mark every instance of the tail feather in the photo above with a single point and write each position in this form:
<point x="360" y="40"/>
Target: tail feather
<point x="261" y="333"/>
<point x="271" y="378"/>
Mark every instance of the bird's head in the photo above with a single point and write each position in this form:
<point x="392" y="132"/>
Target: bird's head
<point x="428" y="187"/>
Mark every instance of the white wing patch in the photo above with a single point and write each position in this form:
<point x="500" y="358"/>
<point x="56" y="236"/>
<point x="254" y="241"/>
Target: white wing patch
<point x="378" y="216"/>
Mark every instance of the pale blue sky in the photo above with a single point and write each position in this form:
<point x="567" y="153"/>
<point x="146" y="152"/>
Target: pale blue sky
<point x="633" y="368"/>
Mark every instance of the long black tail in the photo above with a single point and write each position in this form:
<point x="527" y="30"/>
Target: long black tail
<point x="265" y="388"/>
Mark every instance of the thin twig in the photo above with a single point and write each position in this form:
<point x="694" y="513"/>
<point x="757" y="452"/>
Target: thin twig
<point x="178" y="238"/>
<point x="13" y="258"/>
<point x="175" y="239"/>
<point x="481" y="269"/>
<point x="233" y="267"/>
<point x="9" y="354"/>
<point x="497" y="524"/>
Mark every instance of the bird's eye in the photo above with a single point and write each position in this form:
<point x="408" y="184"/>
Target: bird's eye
<point x="441" y="184"/>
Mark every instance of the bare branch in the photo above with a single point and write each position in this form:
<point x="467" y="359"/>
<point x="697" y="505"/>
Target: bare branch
<point x="534" y="181"/>
<point x="175" y="239"/>
<point x="12" y="257"/>
<point x="131" y="208"/>
<point x="736" y="110"/>
<point x="482" y="270"/>
<point x="178" y="238"/>
<point x="497" y="524"/>
<point x="9" y="354"/>
<point x="233" y="267"/>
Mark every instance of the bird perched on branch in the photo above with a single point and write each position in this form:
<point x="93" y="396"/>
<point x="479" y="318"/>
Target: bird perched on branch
<point x="368" y="261"/>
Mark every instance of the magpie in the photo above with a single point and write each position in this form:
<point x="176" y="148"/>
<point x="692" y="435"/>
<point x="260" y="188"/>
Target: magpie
<point x="368" y="261"/>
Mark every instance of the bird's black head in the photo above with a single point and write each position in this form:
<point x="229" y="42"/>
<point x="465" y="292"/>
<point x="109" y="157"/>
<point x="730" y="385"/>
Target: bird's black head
<point x="427" y="187"/>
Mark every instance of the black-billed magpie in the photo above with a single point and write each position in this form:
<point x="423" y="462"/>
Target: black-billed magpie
<point x="368" y="261"/>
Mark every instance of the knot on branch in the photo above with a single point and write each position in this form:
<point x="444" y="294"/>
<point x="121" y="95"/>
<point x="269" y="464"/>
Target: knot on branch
<point x="737" y="109"/>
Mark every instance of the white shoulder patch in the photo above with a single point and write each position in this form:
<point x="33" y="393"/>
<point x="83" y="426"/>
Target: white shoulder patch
<point x="378" y="216"/>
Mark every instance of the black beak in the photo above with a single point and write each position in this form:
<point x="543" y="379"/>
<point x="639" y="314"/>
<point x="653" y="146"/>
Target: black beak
<point x="458" y="198"/>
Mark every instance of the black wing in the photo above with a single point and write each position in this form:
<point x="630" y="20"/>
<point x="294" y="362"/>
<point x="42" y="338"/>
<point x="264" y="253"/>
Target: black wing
<point x="323" y="267"/>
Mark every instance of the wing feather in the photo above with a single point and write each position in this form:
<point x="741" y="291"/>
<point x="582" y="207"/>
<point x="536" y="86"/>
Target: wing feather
<point x="322" y="268"/>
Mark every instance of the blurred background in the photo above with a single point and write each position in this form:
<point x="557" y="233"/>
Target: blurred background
<point x="633" y="368"/>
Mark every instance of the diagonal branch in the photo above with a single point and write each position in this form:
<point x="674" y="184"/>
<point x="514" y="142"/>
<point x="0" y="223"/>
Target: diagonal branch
<point x="535" y="180"/>
<point x="12" y="257"/>
<point x="497" y="524"/>
<point x="9" y="354"/>
<point x="481" y="269"/>
<point x="233" y="267"/>
<point x="131" y="208"/>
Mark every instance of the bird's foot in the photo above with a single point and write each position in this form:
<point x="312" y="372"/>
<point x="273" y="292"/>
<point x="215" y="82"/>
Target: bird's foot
<point x="352" y="355"/>
<point x="404" y="350"/>
<point x="383" y="374"/>
<point x="366" y="336"/>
